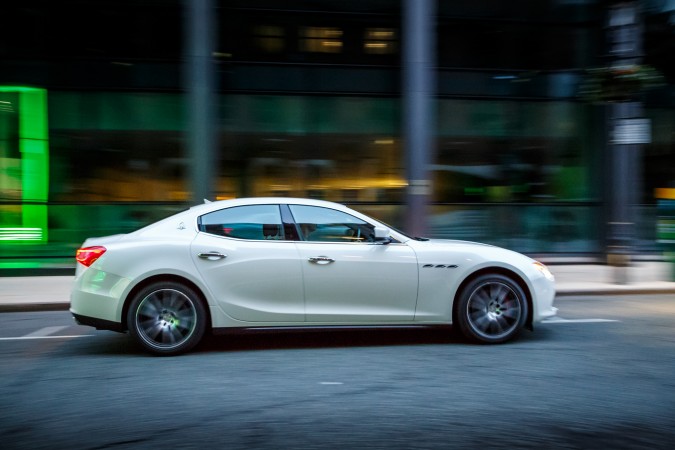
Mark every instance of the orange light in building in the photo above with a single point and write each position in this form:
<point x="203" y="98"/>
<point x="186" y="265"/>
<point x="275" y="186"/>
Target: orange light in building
<point x="665" y="193"/>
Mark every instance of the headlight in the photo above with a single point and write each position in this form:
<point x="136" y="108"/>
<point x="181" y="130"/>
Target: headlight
<point x="543" y="269"/>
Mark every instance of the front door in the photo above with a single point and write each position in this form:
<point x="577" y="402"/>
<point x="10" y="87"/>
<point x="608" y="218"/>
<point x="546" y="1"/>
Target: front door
<point x="350" y="279"/>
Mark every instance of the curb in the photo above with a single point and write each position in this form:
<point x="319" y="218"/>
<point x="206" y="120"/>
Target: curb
<point x="608" y="292"/>
<point x="34" y="307"/>
<point x="600" y="292"/>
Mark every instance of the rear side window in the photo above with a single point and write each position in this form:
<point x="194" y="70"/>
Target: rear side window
<point x="255" y="222"/>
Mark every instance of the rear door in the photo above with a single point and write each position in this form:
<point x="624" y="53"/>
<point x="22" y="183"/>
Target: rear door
<point x="250" y="263"/>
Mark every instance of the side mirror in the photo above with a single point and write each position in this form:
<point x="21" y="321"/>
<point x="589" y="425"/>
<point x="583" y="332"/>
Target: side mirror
<point x="382" y="235"/>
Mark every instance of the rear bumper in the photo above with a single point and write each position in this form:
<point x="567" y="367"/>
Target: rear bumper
<point x="99" y="324"/>
<point x="98" y="295"/>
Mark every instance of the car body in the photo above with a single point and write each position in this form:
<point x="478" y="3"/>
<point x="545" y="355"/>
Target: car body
<point x="284" y="262"/>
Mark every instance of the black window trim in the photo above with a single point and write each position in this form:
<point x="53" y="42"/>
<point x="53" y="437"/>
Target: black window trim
<point x="289" y="223"/>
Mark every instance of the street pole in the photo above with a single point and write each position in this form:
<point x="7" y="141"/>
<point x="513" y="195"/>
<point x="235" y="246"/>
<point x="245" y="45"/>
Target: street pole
<point x="628" y="130"/>
<point x="419" y="92"/>
<point x="200" y="86"/>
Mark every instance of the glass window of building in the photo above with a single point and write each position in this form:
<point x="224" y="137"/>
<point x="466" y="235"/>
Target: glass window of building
<point x="269" y="38"/>
<point x="380" y="41"/>
<point x="321" y="39"/>
<point x="335" y="148"/>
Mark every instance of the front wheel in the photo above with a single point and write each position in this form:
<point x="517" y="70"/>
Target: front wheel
<point x="167" y="318"/>
<point x="492" y="309"/>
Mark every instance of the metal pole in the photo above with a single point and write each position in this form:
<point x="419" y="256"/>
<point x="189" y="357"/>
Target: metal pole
<point x="419" y="91"/>
<point x="627" y="131"/>
<point x="200" y="37"/>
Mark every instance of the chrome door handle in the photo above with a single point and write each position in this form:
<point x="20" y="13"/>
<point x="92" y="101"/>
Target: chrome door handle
<point x="321" y="260"/>
<point x="212" y="256"/>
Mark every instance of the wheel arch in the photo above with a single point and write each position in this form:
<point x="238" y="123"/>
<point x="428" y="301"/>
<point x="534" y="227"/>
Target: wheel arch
<point x="160" y="278"/>
<point x="501" y="271"/>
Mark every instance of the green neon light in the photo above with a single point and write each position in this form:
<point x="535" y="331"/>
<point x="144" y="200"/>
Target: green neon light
<point x="14" y="89"/>
<point x="34" y="149"/>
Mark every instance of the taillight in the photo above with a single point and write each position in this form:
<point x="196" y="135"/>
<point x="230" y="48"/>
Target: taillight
<point x="87" y="255"/>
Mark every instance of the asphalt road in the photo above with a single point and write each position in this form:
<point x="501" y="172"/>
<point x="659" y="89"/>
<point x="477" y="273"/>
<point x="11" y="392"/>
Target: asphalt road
<point x="602" y="376"/>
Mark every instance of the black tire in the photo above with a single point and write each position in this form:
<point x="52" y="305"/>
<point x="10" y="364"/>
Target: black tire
<point x="167" y="318"/>
<point x="491" y="309"/>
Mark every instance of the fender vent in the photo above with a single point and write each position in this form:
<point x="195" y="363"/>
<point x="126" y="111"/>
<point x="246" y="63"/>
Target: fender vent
<point x="440" y="266"/>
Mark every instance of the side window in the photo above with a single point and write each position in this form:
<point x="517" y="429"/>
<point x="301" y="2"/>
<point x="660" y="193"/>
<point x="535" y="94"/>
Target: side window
<point x="255" y="222"/>
<point x="328" y="225"/>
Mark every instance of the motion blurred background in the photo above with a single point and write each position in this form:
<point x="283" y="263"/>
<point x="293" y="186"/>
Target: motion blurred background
<point x="115" y="113"/>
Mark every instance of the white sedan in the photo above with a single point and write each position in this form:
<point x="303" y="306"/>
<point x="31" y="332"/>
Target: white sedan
<point x="282" y="262"/>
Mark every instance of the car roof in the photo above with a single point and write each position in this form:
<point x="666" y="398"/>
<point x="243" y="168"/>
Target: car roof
<point x="205" y="208"/>
<point x="213" y="206"/>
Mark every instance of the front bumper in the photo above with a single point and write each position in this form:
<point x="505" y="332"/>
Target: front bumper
<point x="544" y="295"/>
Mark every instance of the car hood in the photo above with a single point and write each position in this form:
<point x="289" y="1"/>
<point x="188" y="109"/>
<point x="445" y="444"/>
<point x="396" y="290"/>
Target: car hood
<point x="467" y="249"/>
<point x="457" y="242"/>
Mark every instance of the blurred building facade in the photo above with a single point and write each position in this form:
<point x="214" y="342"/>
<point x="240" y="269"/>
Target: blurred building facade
<point x="93" y="117"/>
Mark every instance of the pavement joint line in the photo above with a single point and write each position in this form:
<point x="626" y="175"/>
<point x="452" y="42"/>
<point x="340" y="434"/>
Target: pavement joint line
<point x="562" y="320"/>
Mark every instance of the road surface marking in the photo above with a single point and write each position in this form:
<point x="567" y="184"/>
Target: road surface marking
<point x="561" y="320"/>
<point x="27" y="338"/>
<point x="44" y="333"/>
<point x="330" y="383"/>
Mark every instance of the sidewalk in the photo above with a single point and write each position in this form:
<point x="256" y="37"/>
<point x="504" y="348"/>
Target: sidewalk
<point x="51" y="293"/>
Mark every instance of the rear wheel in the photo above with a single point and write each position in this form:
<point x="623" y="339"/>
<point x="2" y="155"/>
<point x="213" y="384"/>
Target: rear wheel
<point x="492" y="309"/>
<point x="167" y="318"/>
